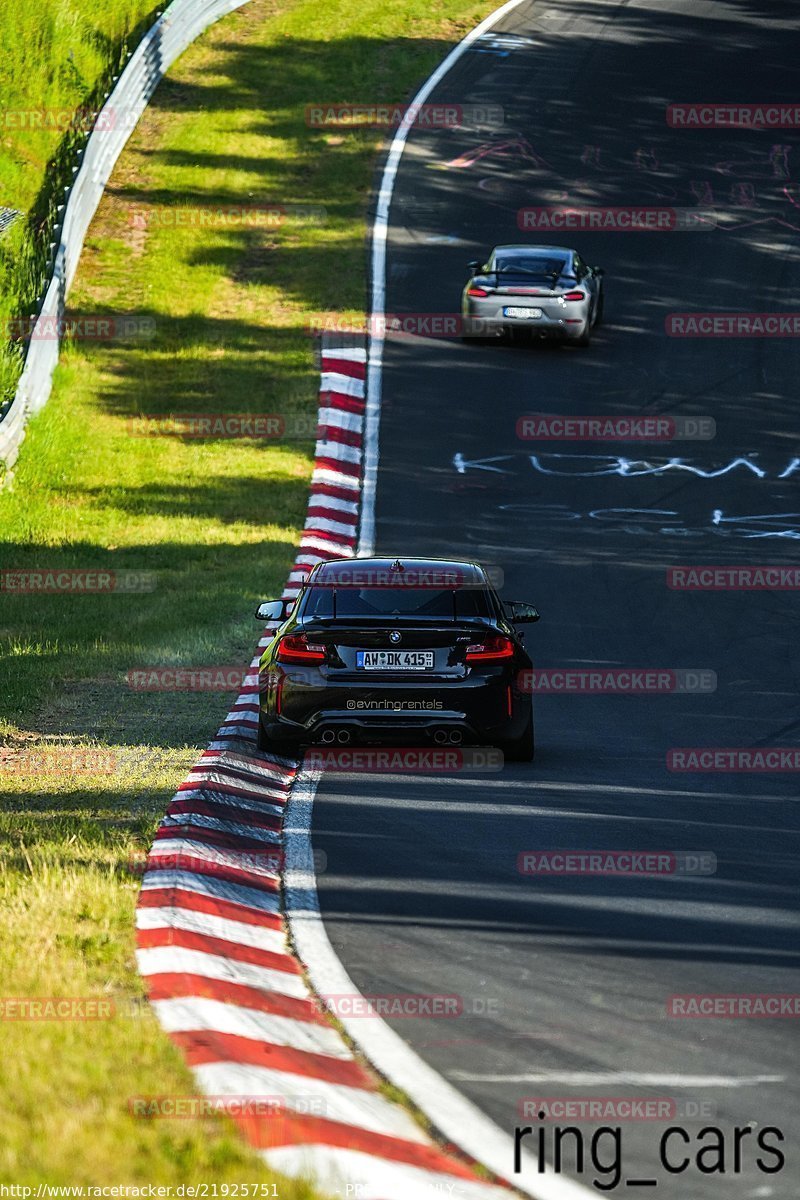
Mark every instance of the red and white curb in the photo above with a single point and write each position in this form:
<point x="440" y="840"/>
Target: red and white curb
<point x="212" y="941"/>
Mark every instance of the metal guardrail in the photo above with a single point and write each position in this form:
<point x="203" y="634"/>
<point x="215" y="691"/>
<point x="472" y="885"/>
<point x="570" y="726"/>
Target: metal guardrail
<point x="173" y="32"/>
<point x="7" y="217"/>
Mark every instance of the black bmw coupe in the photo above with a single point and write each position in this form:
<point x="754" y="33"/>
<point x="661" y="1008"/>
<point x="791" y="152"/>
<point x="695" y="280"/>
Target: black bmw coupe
<point x="386" y="650"/>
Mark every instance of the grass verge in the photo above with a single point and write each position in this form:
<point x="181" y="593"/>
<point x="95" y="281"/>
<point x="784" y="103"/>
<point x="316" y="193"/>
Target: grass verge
<point x="216" y="311"/>
<point x="59" y="57"/>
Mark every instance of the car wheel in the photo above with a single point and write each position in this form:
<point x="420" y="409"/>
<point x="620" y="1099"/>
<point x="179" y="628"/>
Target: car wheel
<point x="271" y="745"/>
<point x="522" y="748"/>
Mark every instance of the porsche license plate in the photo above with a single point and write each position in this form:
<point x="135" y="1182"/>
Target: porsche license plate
<point x="522" y="314"/>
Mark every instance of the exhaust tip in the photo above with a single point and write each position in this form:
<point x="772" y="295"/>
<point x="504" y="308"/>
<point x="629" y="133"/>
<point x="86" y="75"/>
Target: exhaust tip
<point x="327" y="737"/>
<point x="343" y="736"/>
<point x="440" y="737"/>
<point x="456" y="737"/>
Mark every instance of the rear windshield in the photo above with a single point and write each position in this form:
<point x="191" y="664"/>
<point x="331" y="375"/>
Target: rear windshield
<point x="424" y="603"/>
<point x="542" y="267"/>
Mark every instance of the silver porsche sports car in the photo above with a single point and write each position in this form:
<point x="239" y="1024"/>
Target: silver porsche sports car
<point x="539" y="291"/>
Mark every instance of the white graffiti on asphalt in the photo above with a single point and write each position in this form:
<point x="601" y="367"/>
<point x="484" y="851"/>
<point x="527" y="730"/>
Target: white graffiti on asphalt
<point x="617" y="464"/>
<point x="644" y="520"/>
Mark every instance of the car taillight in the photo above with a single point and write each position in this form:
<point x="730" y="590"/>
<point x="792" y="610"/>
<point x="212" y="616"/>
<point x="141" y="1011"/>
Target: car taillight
<point x="296" y="648"/>
<point x="574" y="296"/>
<point x="476" y="291"/>
<point x="491" y="649"/>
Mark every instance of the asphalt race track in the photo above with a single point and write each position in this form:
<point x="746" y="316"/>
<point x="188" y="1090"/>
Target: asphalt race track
<point x="565" y="981"/>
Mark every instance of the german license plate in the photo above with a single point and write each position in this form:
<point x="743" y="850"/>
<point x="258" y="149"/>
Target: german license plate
<point x="522" y="314"/>
<point x="394" y="660"/>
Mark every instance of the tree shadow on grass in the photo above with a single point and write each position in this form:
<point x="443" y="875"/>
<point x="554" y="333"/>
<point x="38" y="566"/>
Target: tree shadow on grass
<point x="167" y="604"/>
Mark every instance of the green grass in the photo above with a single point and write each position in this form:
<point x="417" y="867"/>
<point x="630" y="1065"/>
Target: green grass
<point x="67" y="904"/>
<point x="55" y="54"/>
<point x="215" y="522"/>
<point x="58" y="58"/>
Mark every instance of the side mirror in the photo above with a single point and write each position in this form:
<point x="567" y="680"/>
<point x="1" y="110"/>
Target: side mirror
<point x="521" y="613"/>
<point x="598" y="270"/>
<point x="271" y="610"/>
<point x="475" y="265"/>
